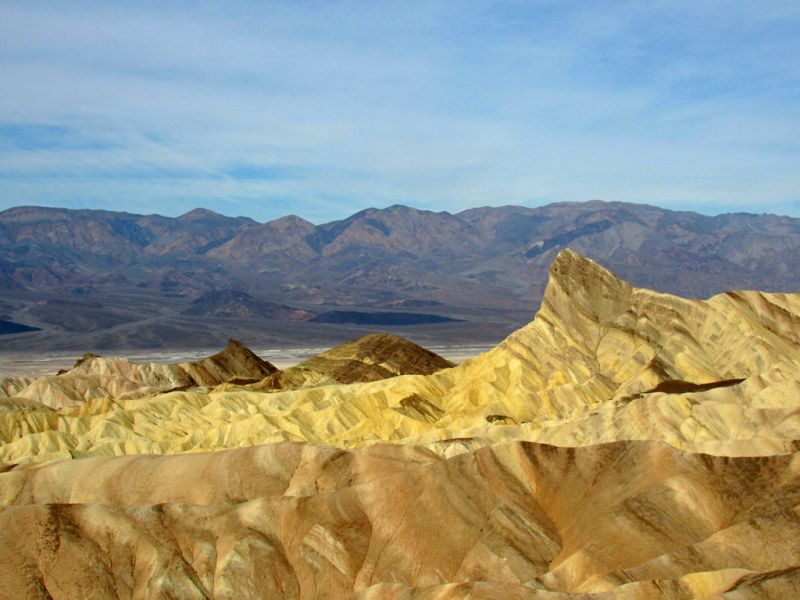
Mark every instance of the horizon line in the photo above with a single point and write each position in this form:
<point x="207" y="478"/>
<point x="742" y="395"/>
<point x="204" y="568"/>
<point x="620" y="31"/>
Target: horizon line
<point x="210" y="211"/>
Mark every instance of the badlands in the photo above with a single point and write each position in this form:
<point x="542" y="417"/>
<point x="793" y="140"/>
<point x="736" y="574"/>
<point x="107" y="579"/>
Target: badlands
<point x="624" y="444"/>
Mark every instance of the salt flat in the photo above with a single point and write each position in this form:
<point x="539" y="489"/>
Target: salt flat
<point x="38" y="364"/>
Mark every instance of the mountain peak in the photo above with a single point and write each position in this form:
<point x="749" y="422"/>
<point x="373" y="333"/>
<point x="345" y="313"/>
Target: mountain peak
<point x="373" y="357"/>
<point x="577" y="281"/>
<point x="237" y="351"/>
<point x="573" y="268"/>
<point x="235" y="360"/>
<point x="291" y="224"/>
<point x="199" y="213"/>
<point x="31" y="213"/>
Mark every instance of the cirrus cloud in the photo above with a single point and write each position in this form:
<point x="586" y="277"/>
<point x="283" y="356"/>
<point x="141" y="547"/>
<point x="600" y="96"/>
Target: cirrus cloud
<point x="322" y="109"/>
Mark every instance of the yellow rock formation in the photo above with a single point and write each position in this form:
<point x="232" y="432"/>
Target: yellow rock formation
<point x="625" y="443"/>
<point x="602" y="361"/>
<point x="97" y="377"/>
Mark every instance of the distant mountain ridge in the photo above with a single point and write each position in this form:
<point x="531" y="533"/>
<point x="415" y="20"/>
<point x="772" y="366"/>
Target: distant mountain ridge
<point x="479" y="264"/>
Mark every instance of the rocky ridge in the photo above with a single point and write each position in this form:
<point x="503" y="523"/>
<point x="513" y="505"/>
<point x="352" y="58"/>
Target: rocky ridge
<point x="116" y="280"/>
<point x="625" y="443"/>
<point x="94" y="377"/>
<point x="586" y="370"/>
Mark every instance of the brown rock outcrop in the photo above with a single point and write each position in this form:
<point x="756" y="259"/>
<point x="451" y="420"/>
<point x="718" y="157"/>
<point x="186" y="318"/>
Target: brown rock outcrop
<point x="372" y="357"/>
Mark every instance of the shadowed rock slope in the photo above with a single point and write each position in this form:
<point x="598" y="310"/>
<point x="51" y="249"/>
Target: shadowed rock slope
<point x="625" y="443"/>
<point x="372" y="357"/>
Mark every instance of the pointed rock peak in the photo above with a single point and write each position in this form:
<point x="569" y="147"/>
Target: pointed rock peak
<point x="240" y="353"/>
<point x="578" y="281"/>
<point x="85" y="358"/>
<point x="572" y="270"/>
<point x="199" y="213"/>
<point x="379" y="348"/>
<point x="373" y="357"/>
<point x="292" y="219"/>
<point x="376" y="346"/>
<point x="236" y="360"/>
<point x="235" y="348"/>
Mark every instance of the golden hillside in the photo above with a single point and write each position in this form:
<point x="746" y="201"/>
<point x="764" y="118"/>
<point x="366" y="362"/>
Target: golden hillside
<point x="601" y="361"/>
<point x="625" y="443"/>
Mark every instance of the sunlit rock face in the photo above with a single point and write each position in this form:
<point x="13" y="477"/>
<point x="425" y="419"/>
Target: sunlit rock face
<point x="625" y="443"/>
<point x="95" y="377"/>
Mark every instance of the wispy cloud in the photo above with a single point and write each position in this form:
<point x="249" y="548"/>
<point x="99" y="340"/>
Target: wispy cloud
<point x="321" y="109"/>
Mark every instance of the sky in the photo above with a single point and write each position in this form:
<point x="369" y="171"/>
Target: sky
<point x="324" y="108"/>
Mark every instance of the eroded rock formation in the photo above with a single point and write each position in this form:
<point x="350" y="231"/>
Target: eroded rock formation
<point x="626" y="443"/>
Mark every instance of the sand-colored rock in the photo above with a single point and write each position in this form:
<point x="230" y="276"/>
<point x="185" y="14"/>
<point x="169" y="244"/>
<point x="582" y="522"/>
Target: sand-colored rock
<point x="368" y="358"/>
<point x="303" y="521"/>
<point x="587" y="370"/>
<point x="624" y="444"/>
<point x="11" y="386"/>
<point x="96" y="377"/>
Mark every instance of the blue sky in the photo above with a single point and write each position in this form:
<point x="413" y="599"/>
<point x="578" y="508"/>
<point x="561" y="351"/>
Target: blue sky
<point x="323" y="108"/>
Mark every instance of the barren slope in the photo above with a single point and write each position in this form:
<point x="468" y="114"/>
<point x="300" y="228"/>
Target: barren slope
<point x="626" y="443"/>
<point x="95" y="377"/>
<point x="372" y="358"/>
<point x="302" y="521"/>
<point x="586" y="370"/>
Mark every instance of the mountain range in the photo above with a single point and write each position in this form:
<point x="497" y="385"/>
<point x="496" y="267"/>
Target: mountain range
<point x="99" y="279"/>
